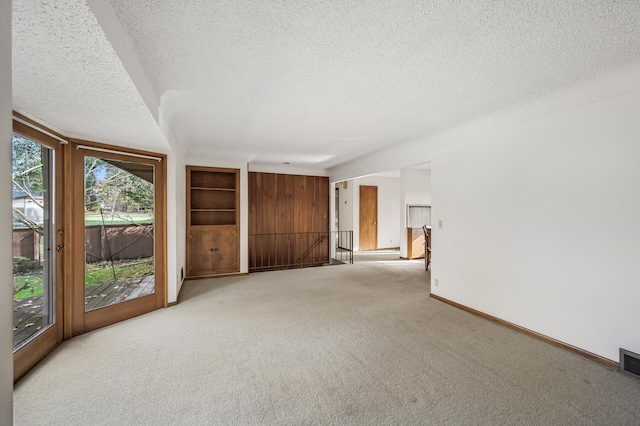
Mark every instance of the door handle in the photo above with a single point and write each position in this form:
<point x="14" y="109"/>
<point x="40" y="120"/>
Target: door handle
<point x="60" y="247"/>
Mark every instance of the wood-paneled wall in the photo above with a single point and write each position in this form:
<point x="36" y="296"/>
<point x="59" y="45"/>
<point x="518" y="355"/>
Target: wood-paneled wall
<point x="281" y="203"/>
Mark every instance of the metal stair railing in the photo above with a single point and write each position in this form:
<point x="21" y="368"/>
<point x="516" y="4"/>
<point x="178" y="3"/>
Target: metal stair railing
<point x="278" y="250"/>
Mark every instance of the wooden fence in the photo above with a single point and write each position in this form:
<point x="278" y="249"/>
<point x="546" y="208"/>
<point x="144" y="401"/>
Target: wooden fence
<point x="118" y="242"/>
<point x="26" y="243"/>
<point x="101" y="243"/>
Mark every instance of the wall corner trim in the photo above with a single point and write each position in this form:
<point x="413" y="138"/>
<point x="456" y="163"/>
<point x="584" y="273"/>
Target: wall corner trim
<point x="589" y="355"/>
<point x="179" y="295"/>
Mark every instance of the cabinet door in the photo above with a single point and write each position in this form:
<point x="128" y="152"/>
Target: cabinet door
<point x="213" y="250"/>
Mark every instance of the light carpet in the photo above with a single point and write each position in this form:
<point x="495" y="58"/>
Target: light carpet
<point x="358" y="344"/>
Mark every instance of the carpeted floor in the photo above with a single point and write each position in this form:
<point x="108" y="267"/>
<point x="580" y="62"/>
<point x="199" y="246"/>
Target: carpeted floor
<point x="349" y="344"/>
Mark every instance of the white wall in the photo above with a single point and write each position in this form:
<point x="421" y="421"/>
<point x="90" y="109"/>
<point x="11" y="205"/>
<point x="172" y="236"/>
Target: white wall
<point x="416" y="189"/>
<point x="287" y="169"/>
<point x="176" y="224"/>
<point x="416" y="186"/>
<point x="244" y="202"/>
<point x="345" y="213"/>
<point x="389" y="198"/>
<point x="6" y="296"/>
<point x="541" y="224"/>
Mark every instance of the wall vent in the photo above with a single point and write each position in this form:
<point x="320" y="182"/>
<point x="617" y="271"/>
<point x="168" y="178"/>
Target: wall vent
<point x="629" y="363"/>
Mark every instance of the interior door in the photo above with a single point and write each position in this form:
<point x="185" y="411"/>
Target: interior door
<point x="118" y="236"/>
<point x="38" y="235"/>
<point x="368" y="217"/>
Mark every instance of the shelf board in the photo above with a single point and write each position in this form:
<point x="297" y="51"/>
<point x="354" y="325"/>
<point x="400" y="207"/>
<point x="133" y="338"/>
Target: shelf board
<point x="204" y="188"/>
<point x="214" y="226"/>
<point x="213" y="210"/>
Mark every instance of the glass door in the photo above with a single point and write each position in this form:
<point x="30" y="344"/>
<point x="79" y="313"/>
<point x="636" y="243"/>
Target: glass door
<point x="37" y="245"/>
<point x="119" y="216"/>
<point x="117" y="275"/>
<point x="107" y="264"/>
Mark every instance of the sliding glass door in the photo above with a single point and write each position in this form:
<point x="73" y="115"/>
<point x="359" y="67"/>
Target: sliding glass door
<point x="37" y="245"/>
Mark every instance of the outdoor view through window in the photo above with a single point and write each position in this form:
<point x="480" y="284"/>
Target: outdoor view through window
<point x="119" y="224"/>
<point x="119" y="218"/>
<point x="33" y="274"/>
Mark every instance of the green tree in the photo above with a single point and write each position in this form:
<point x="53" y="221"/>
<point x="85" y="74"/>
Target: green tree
<point x="27" y="175"/>
<point x="113" y="188"/>
<point x="26" y="165"/>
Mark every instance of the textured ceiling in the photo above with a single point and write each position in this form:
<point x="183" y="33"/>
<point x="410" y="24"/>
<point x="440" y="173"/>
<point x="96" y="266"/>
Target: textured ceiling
<point x="66" y="74"/>
<point x="311" y="82"/>
<point x="323" y="81"/>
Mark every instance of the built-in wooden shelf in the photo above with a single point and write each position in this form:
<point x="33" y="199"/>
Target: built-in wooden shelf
<point x="212" y="221"/>
<point x="213" y="189"/>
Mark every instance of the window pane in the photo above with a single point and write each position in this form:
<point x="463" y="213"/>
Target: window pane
<point x="119" y="210"/>
<point x="417" y="216"/>
<point x="33" y="254"/>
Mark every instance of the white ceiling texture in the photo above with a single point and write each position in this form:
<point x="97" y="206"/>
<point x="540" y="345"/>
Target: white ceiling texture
<point x="67" y="75"/>
<point x="310" y="82"/>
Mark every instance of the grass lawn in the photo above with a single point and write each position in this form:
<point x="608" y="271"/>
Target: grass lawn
<point x="105" y="275"/>
<point x="34" y="289"/>
<point x="93" y="219"/>
<point x="97" y="276"/>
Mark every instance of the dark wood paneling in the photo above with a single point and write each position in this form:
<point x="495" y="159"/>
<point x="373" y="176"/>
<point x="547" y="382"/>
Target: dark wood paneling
<point x="289" y="221"/>
<point x="254" y="182"/>
<point x="280" y="204"/>
<point x="323" y="198"/>
<point x="270" y="216"/>
<point x="281" y="188"/>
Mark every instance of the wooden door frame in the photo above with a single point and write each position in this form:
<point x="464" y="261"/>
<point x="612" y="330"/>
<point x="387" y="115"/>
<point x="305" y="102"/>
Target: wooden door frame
<point x="38" y="347"/>
<point x="67" y="322"/>
<point x="361" y="217"/>
<point x="77" y="321"/>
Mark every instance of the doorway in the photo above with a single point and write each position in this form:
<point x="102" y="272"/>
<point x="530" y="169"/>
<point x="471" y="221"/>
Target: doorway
<point x="38" y="243"/>
<point x="368" y="218"/>
<point x="89" y="237"/>
<point x="118" y="246"/>
<point x="337" y="209"/>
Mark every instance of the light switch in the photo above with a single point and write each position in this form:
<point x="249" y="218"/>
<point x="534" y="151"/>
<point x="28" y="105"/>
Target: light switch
<point x="440" y="225"/>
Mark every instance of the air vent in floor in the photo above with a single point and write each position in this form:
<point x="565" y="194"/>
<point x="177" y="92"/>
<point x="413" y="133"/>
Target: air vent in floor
<point x="629" y="363"/>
